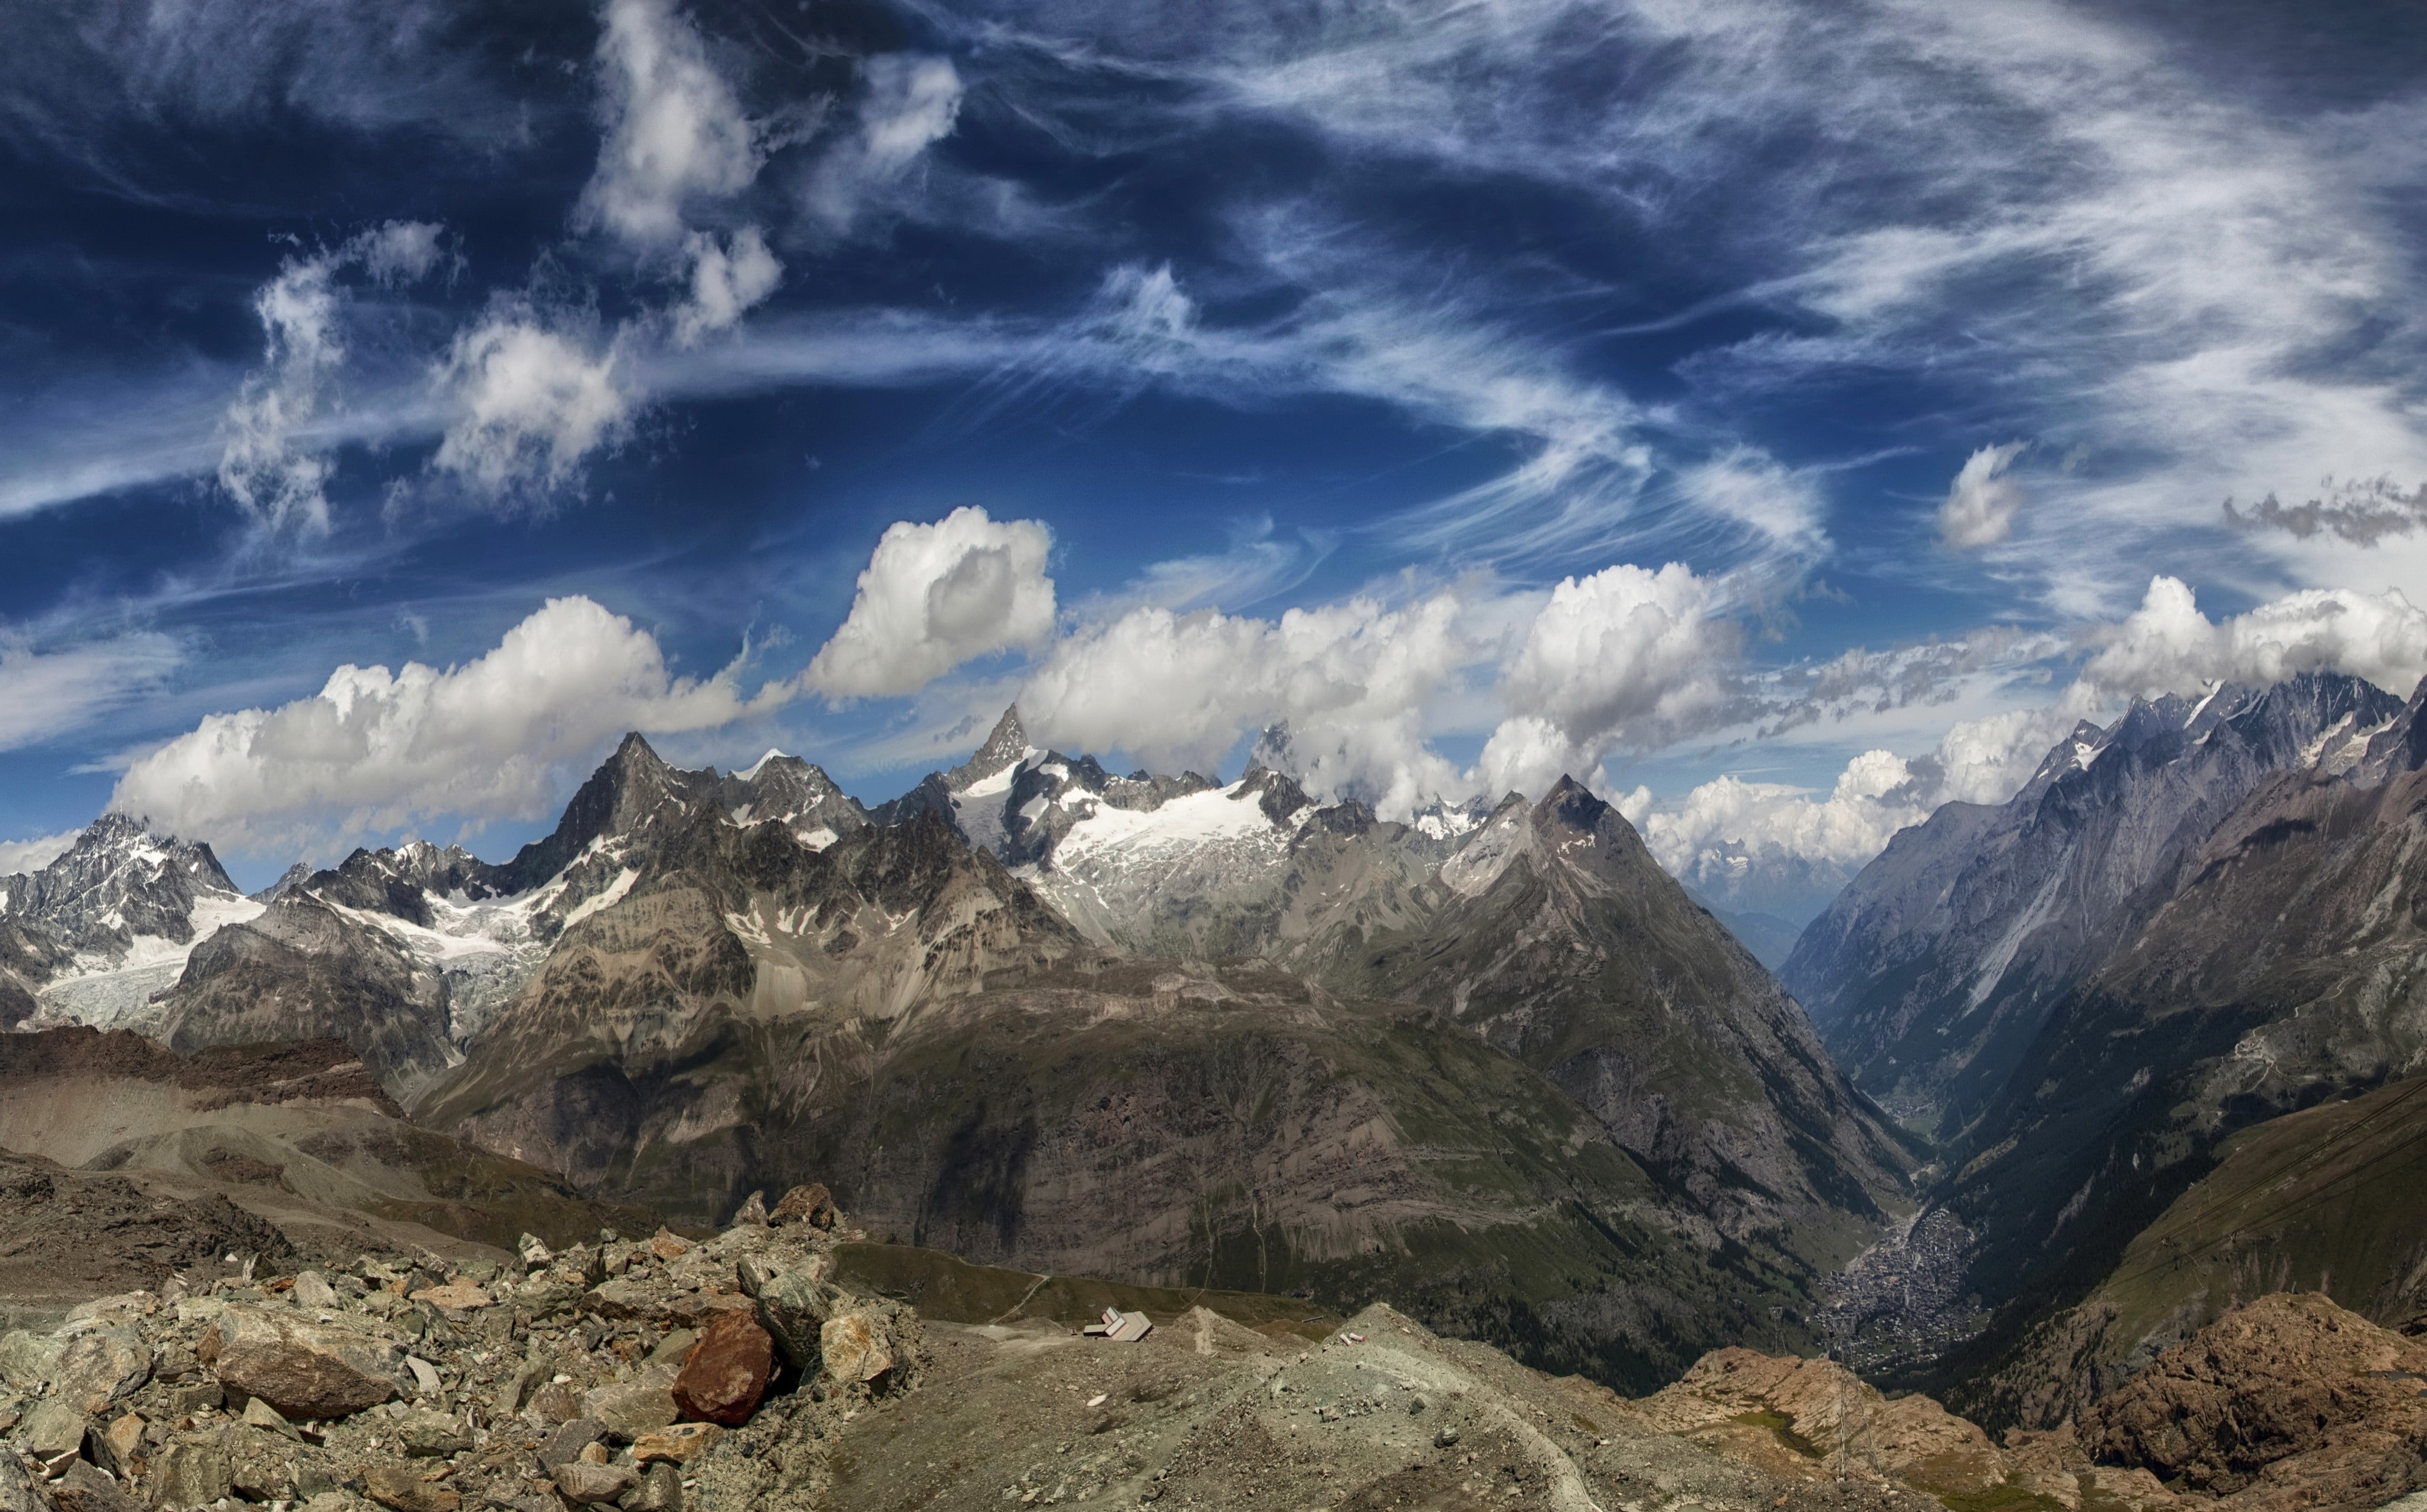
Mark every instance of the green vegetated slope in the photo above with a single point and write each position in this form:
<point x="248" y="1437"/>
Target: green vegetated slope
<point x="2326" y="1199"/>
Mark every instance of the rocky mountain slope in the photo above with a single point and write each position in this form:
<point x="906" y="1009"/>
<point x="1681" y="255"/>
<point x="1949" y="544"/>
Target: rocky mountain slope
<point x="1933" y="970"/>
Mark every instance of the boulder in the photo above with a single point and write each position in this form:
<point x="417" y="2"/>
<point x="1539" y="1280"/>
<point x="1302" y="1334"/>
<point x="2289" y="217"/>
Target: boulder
<point x="113" y="1448"/>
<point x="626" y="1298"/>
<point x="811" y="1204"/>
<point x="260" y="1414"/>
<point x="401" y="1489"/>
<point x="83" y="1488"/>
<point x="630" y="1408"/>
<point x="585" y="1483"/>
<point x="425" y="1375"/>
<point x="668" y="1246"/>
<point x="855" y="1347"/>
<point x="660" y="1491"/>
<point x="556" y="1401"/>
<point x="102" y="1367"/>
<point x="51" y="1429"/>
<point x="793" y="1303"/>
<point x="675" y="1445"/>
<point x="191" y="1472"/>
<point x="459" y="1296"/>
<point x="26" y="1360"/>
<point x="303" y="1369"/>
<point x="313" y="1293"/>
<point x="535" y="1256"/>
<point x="261" y="1466"/>
<point x="569" y="1441"/>
<point x="428" y="1435"/>
<point x="727" y="1372"/>
<point x="752" y="1211"/>
<point x="18" y="1492"/>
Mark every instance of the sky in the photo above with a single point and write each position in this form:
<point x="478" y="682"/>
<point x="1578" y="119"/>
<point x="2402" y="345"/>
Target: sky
<point x="1784" y="417"/>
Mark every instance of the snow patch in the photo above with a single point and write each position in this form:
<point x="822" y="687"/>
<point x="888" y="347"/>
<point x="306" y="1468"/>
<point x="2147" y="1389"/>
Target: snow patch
<point x="607" y="897"/>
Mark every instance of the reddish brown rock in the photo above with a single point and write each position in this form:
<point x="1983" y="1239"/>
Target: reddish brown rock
<point x="813" y="1205"/>
<point x="727" y="1372"/>
<point x="2290" y="1402"/>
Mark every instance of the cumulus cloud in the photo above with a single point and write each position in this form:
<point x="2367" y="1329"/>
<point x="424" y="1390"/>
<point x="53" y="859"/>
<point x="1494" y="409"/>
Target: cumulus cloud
<point x="528" y="402"/>
<point x="725" y="280"/>
<point x="1982" y="503"/>
<point x="267" y="463"/>
<point x="912" y="101"/>
<point x="1349" y="681"/>
<point x="1624" y="657"/>
<point x="46" y="693"/>
<point x="375" y="751"/>
<point x="934" y="596"/>
<point x="674" y="131"/>
<point x="2167" y="645"/>
<point x="34" y="855"/>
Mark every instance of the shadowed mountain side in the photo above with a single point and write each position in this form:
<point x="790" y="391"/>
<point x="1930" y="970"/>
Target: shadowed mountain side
<point x="2323" y="1201"/>
<point x="1564" y="944"/>
<point x="2287" y="972"/>
<point x="1933" y="970"/>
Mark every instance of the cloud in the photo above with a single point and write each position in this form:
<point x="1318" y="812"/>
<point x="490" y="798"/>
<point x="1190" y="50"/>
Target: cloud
<point x="725" y="280"/>
<point x="674" y="131"/>
<point x="911" y="103"/>
<point x="2167" y="645"/>
<point x="2363" y="512"/>
<point x="34" y="855"/>
<point x="934" y="596"/>
<point x="1350" y="682"/>
<point x="1981" y="502"/>
<point x="527" y="401"/>
<point x="266" y="463"/>
<point x="48" y="694"/>
<point x="375" y="751"/>
<point x="1624" y="657"/>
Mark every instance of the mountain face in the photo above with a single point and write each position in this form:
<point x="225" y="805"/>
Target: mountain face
<point x="2284" y="971"/>
<point x="1933" y="971"/>
<point x="91" y="937"/>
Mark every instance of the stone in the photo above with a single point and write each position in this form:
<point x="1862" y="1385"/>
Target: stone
<point x="102" y="1367"/>
<point x="313" y="1293"/>
<point x="594" y="1454"/>
<point x="673" y="1347"/>
<point x="626" y="1298"/>
<point x="556" y="1401"/>
<point x="518" y="1388"/>
<point x="630" y="1408"/>
<point x="675" y="1445"/>
<point x="261" y="1466"/>
<point x="585" y="1483"/>
<point x="569" y="1441"/>
<point x="303" y="1369"/>
<point x="459" y="1294"/>
<point x="428" y="1435"/>
<point x="425" y="1375"/>
<point x="854" y="1348"/>
<point x="811" y="1204"/>
<point x="660" y="1491"/>
<point x="26" y="1360"/>
<point x="668" y="1246"/>
<point x="535" y="1255"/>
<point x="191" y="1472"/>
<point x="794" y="1304"/>
<point x="401" y="1489"/>
<point x="113" y="1448"/>
<point x="18" y="1492"/>
<point x="727" y="1372"/>
<point x="260" y="1414"/>
<point x="84" y="1489"/>
<point x="52" y="1428"/>
<point x="752" y="1211"/>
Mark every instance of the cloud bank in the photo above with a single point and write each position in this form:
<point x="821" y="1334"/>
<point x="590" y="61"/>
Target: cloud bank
<point x="934" y="597"/>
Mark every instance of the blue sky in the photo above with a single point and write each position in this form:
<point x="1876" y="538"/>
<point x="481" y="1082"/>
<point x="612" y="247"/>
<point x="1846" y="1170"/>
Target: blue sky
<point x="1776" y="414"/>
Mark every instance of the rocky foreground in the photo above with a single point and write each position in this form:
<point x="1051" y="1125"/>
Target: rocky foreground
<point x="740" y="1372"/>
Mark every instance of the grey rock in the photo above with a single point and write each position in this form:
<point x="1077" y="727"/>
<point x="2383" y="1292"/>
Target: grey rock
<point x="660" y="1491"/>
<point x="102" y="1367"/>
<point x="52" y="1428"/>
<point x="630" y="1408"/>
<point x="191" y="1472"/>
<point x="425" y="1375"/>
<point x="430" y="1435"/>
<point x="794" y="1303"/>
<point x="567" y="1441"/>
<point x="313" y="1291"/>
<point x="260" y="1414"/>
<point x="85" y="1488"/>
<point x="26" y="1360"/>
<point x="18" y="1492"/>
<point x="585" y="1483"/>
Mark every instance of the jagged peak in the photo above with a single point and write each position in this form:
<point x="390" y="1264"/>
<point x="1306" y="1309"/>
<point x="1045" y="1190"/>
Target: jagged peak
<point x="1005" y="747"/>
<point x="750" y="773"/>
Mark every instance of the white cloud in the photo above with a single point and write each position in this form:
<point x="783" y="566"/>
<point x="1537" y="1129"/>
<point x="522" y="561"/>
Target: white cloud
<point x="934" y="596"/>
<point x="1981" y="504"/>
<point x="912" y="101"/>
<point x="2167" y="645"/>
<point x="374" y="751"/>
<point x="1779" y="506"/>
<point x="266" y="463"/>
<point x="1624" y="657"/>
<point x="47" y="694"/>
<point x="725" y="280"/>
<point x="674" y="132"/>
<point x="527" y="402"/>
<point x="34" y="855"/>
<point x="1350" y="680"/>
